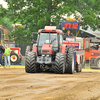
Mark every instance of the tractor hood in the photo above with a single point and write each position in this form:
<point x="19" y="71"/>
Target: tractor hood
<point x="47" y="49"/>
<point x="95" y="52"/>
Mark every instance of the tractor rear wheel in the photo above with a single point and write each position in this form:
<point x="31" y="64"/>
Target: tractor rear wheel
<point x="60" y="62"/>
<point x="14" y="58"/>
<point x="70" y="60"/>
<point x="30" y="63"/>
<point x="28" y="49"/>
<point x="97" y="62"/>
<point x="79" y="68"/>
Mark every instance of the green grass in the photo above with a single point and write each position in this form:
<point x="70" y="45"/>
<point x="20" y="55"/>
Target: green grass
<point x="89" y="69"/>
<point x="14" y="66"/>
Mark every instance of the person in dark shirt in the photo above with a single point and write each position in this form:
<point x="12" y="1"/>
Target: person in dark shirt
<point x="68" y="34"/>
<point x="1" y="53"/>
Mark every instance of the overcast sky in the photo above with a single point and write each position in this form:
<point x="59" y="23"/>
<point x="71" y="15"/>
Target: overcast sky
<point x="3" y="3"/>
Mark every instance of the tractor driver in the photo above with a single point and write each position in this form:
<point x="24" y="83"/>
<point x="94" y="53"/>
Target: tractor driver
<point x="68" y="34"/>
<point x="54" y="40"/>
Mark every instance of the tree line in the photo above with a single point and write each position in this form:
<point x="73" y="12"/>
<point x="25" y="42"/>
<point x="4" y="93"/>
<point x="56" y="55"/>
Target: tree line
<point x="35" y="14"/>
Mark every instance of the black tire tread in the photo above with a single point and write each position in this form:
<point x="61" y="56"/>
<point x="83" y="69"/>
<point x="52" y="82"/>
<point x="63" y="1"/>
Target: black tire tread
<point x="30" y="63"/>
<point x="66" y="51"/>
<point x="69" y="60"/>
<point x="59" y="63"/>
<point x="30" y="66"/>
<point x="28" y="49"/>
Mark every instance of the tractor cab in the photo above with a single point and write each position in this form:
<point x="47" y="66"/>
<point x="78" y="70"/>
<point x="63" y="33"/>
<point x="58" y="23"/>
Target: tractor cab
<point x="49" y="40"/>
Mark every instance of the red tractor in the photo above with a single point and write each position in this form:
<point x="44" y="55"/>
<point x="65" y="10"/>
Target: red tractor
<point x="51" y="54"/>
<point x="91" y="54"/>
<point x="15" y="56"/>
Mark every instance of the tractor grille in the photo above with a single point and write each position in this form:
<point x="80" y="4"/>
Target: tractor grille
<point x="45" y="51"/>
<point x="96" y="53"/>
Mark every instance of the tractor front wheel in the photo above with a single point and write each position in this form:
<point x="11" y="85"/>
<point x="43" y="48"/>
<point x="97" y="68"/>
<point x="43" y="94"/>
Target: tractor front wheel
<point x="30" y="63"/>
<point x="28" y="49"/>
<point x="60" y="62"/>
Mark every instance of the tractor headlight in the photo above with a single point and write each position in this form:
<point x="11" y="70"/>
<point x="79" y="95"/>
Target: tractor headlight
<point x="43" y="55"/>
<point x="92" y="53"/>
<point x="47" y="55"/>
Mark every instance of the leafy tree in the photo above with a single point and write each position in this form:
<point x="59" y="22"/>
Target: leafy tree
<point x="4" y="18"/>
<point x="35" y="14"/>
<point x="3" y="11"/>
<point x="6" y="22"/>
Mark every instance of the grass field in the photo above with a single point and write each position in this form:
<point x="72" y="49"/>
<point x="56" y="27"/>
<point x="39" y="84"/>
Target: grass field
<point x="87" y="69"/>
<point x="14" y="66"/>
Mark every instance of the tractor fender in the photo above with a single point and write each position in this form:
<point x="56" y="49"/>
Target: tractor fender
<point x="35" y="48"/>
<point x="63" y="47"/>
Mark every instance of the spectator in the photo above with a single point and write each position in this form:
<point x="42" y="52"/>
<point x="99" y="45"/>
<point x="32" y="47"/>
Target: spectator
<point x="68" y="34"/>
<point x="7" y="55"/>
<point x="1" y="53"/>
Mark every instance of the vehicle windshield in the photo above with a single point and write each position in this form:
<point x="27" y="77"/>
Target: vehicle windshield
<point x="44" y="39"/>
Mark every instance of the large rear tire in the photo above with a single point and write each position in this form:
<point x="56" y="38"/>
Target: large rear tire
<point x="97" y="62"/>
<point x="70" y="61"/>
<point x="30" y="63"/>
<point x="60" y="61"/>
<point x="28" y="49"/>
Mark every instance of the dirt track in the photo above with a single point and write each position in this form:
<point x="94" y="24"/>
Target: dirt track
<point x="15" y="84"/>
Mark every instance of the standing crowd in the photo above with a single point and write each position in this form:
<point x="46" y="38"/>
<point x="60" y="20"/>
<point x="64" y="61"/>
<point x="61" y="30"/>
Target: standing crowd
<point x="4" y="52"/>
